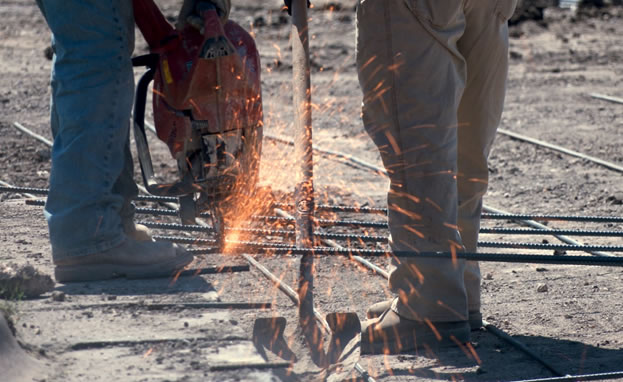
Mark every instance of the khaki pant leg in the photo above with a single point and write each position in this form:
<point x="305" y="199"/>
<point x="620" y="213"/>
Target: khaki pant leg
<point x="412" y="77"/>
<point x="484" y="45"/>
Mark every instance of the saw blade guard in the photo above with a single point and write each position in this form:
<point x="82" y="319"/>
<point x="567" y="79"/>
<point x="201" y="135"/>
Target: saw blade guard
<point x="207" y="106"/>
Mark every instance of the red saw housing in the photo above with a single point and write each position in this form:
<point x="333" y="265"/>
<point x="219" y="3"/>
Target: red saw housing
<point x="207" y="101"/>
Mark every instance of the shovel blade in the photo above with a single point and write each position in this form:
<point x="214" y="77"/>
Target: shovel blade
<point x="344" y="346"/>
<point x="268" y="335"/>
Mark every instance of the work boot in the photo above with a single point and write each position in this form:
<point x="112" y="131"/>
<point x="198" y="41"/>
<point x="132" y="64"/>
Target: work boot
<point x="138" y="232"/>
<point x="392" y="334"/>
<point x="132" y="259"/>
<point x="376" y="310"/>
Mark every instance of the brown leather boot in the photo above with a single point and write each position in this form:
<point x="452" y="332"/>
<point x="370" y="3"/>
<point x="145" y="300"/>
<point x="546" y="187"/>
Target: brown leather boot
<point x="376" y="310"/>
<point x="132" y="259"/>
<point x="392" y="334"/>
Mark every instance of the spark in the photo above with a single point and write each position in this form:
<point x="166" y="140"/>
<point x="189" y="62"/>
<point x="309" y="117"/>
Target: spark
<point x="148" y="352"/>
<point x="473" y="353"/>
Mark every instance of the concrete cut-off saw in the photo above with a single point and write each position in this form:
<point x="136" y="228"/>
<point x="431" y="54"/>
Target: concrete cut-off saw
<point x="207" y="108"/>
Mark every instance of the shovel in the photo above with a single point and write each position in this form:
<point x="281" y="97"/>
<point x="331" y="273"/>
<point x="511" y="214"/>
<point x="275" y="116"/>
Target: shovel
<point x="333" y="358"/>
<point x="333" y="362"/>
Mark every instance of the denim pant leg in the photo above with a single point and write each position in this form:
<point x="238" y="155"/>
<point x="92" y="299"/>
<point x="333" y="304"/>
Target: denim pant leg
<point x="92" y="91"/>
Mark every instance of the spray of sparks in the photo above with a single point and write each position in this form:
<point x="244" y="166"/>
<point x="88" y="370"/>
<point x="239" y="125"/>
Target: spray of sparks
<point x="335" y="183"/>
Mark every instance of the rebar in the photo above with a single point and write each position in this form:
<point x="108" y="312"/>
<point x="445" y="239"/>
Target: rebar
<point x="497" y="215"/>
<point x="502" y="335"/>
<point x="381" y="171"/>
<point x="513" y="231"/>
<point x="372" y="238"/>
<point x="508" y="231"/>
<point x="555" y="247"/>
<point x="477" y="256"/>
<point x="202" y="242"/>
<point x="566" y="232"/>
<point x="38" y="137"/>
<point x="352" y="209"/>
<point x="570" y="218"/>
<point x="607" y="98"/>
<point x="6" y="187"/>
<point x="382" y="239"/>
<point x="579" y="377"/>
<point x="328" y="222"/>
<point x="538" y="142"/>
<point x="537" y="225"/>
<point x="349" y="159"/>
<point x="177" y="227"/>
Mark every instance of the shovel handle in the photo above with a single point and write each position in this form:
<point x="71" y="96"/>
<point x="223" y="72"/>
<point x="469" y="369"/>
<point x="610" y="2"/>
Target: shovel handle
<point x="304" y="191"/>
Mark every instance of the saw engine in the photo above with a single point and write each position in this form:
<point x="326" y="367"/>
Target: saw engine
<point x="207" y="108"/>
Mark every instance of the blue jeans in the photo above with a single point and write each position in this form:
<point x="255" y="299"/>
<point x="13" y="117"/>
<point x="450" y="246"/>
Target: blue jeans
<point x="91" y="180"/>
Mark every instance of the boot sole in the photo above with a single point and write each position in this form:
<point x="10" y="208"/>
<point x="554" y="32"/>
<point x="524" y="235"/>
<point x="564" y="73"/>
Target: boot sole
<point x="474" y="318"/>
<point x="454" y="336"/>
<point x="95" y="272"/>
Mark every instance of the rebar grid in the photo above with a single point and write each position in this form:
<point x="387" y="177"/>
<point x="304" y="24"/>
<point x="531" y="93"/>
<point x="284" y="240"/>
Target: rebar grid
<point x="494" y="214"/>
<point x="362" y="239"/>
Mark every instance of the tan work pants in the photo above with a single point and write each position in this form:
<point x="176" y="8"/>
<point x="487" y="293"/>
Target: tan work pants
<point x="433" y="75"/>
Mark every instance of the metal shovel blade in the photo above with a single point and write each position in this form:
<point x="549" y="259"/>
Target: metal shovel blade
<point x="268" y="335"/>
<point x="344" y="346"/>
<point x="334" y="363"/>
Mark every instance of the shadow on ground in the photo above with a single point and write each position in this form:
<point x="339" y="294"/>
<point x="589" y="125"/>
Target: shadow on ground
<point x="495" y="360"/>
<point x="124" y="287"/>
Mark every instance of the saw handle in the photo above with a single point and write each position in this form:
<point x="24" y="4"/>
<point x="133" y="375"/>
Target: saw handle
<point x="183" y="187"/>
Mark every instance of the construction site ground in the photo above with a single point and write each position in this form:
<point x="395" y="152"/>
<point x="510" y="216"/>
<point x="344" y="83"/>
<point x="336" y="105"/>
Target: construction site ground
<point x="572" y="316"/>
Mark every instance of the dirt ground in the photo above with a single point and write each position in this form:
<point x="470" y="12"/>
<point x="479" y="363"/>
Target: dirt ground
<point x="569" y="315"/>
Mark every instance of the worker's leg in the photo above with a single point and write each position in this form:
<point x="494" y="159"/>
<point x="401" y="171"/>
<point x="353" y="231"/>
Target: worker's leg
<point x="92" y="90"/>
<point x="484" y="45"/>
<point x="412" y="77"/>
